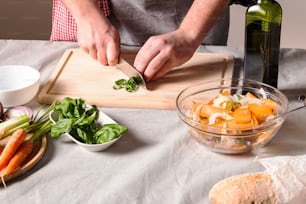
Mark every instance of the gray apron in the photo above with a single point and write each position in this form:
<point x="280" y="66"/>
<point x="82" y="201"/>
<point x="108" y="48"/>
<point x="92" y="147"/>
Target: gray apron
<point x="137" y="20"/>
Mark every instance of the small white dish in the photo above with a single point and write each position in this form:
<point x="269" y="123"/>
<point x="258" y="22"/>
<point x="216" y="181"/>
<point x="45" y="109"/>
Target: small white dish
<point x="18" y="84"/>
<point x="103" y="119"/>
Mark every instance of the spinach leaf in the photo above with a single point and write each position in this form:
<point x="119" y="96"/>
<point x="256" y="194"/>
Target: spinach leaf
<point x="108" y="132"/>
<point x="71" y="108"/>
<point x="62" y="126"/>
<point x="79" y="120"/>
<point x="84" y="135"/>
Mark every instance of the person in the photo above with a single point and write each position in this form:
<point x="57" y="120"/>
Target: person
<point x="167" y="32"/>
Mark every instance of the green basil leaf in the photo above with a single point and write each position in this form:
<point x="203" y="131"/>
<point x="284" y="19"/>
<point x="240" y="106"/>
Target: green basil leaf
<point x="108" y="132"/>
<point x="61" y="127"/>
<point x="84" y="136"/>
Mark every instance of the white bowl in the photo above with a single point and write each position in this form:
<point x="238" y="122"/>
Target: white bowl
<point x="18" y="84"/>
<point x="103" y="119"/>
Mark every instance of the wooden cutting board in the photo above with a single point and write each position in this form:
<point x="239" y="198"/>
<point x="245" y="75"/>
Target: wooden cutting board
<point x="78" y="75"/>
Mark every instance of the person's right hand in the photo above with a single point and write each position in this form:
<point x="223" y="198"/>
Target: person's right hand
<point x="100" y="39"/>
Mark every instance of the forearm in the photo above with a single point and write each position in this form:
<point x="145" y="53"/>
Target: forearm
<point x="81" y="9"/>
<point x="201" y="17"/>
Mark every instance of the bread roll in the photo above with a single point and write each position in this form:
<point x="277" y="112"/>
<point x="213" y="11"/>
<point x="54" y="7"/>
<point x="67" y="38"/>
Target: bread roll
<point x="252" y="188"/>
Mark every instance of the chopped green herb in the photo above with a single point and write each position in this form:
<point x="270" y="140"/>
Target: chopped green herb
<point x="230" y="106"/>
<point x="130" y="85"/>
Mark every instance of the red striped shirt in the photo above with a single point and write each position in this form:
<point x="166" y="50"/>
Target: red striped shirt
<point x="64" y="27"/>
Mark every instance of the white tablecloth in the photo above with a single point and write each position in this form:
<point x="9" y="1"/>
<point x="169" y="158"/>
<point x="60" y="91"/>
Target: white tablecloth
<point x="156" y="161"/>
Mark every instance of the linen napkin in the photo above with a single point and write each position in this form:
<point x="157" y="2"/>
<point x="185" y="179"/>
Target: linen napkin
<point x="289" y="177"/>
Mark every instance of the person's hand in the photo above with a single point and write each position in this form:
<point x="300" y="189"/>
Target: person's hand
<point x="100" y="39"/>
<point x="163" y="52"/>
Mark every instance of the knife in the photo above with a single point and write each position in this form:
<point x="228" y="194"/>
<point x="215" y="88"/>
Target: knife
<point x="130" y="71"/>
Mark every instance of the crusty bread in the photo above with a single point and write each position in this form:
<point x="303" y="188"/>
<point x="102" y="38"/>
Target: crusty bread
<point x="252" y="188"/>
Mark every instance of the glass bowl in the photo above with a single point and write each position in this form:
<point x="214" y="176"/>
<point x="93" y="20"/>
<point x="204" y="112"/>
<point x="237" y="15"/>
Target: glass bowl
<point x="225" y="138"/>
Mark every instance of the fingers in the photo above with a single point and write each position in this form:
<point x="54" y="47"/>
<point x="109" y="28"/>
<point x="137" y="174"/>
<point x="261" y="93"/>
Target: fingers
<point x="152" y="61"/>
<point x="112" y="54"/>
<point x="106" y="55"/>
<point x="93" y="53"/>
<point x="162" y="53"/>
<point x="101" y="56"/>
<point x="156" y="68"/>
<point x="163" y="70"/>
<point x="103" y="47"/>
<point x="91" y="50"/>
<point x="109" y="54"/>
<point x="144" y="56"/>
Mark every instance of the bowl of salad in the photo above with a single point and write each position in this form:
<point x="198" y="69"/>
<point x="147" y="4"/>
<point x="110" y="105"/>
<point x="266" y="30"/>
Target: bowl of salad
<point x="232" y="116"/>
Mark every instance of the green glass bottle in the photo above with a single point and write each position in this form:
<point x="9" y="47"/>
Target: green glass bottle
<point x="262" y="41"/>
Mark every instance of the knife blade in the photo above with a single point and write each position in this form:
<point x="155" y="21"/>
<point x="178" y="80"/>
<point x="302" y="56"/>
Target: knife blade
<point x="130" y="71"/>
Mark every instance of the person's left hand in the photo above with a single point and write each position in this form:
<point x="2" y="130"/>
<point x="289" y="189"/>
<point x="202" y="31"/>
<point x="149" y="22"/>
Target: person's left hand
<point x="163" y="52"/>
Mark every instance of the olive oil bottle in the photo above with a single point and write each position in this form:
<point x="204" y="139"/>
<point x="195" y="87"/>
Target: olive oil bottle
<point x="262" y="41"/>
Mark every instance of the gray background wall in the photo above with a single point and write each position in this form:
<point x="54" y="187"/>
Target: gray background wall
<point x="31" y="19"/>
<point x="25" y="19"/>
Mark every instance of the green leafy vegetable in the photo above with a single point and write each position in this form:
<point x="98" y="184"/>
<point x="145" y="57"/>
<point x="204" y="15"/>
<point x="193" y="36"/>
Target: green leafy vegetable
<point x="109" y="132"/>
<point x="130" y="85"/>
<point x="80" y="121"/>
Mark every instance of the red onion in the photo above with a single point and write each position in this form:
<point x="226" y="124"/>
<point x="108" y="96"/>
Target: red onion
<point x="1" y="111"/>
<point x="18" y="111"/>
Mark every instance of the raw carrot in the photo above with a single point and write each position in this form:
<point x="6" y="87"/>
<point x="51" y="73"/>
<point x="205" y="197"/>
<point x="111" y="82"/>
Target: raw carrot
<point x="234" y="124"/>
<point x="208" y="110"/>
<point x="242" y="115"/>
<point x="261" y="111"/>
<point x="11" y="147"/>
<point x="20" y="156"/>
<point x="271" y="103"/>
<point x="225" y="92"/>
<point x="250" y="95"/>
